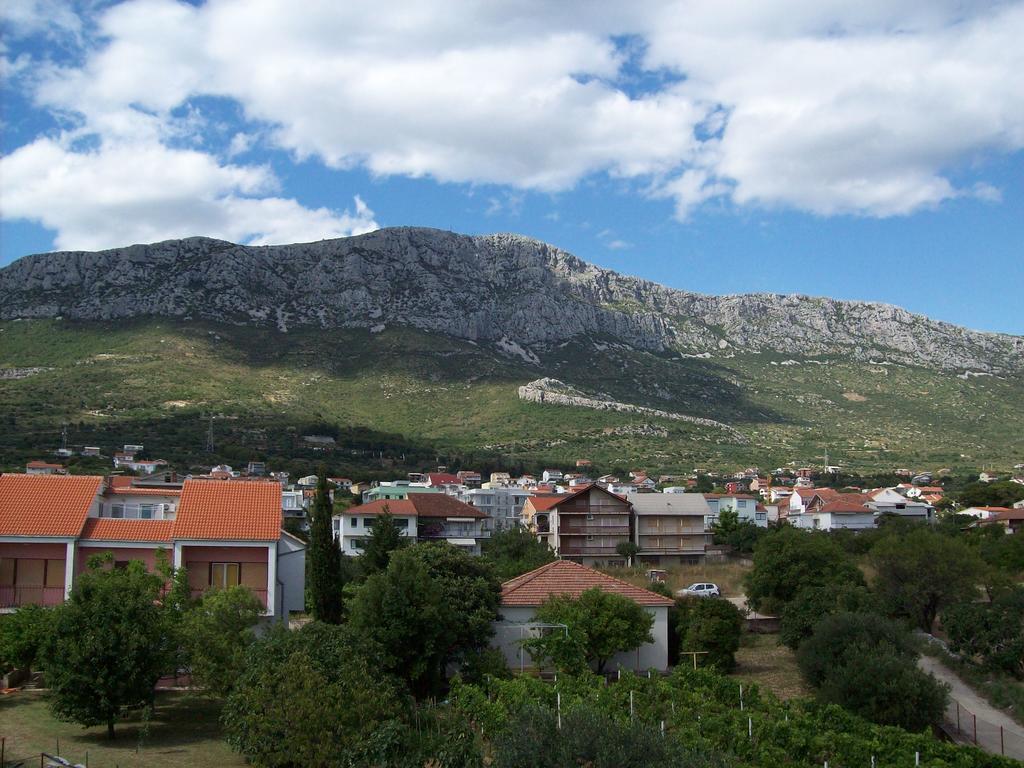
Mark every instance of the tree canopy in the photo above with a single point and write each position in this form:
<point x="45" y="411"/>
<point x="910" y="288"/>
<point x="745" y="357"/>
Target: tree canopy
<point x="515" y="551"/>
<point x="921" y="573"/>
<point x="741" y="536"/>
<point x="111" y="642"/>
<point x="711" y="626"/>
<point x="788" y="559"/>
<point x="600" y="625"/>
<point x="385" y="537"/>
<point x="216" y="635"/>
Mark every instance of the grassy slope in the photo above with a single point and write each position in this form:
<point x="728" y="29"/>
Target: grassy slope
<point x="424" y="396"/>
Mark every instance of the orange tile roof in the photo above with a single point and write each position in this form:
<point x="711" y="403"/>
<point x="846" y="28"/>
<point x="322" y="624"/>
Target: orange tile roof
<point x="564" y="577"/>
<point x="45" y="505"/>
<point x="124" y="529"/>
<point x="43" y="465"/>
<point x="239" y="510"/>
<point x="544" y="503"/>
<point x="845" y="508"/>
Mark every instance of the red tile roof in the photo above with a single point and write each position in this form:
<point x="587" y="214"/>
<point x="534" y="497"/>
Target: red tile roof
<point x="43" y="465"/>
<point x="845" y="508"/>
<point x="544" y="503"/>
<point x="442" y="505"/>
<point x="564" y="577"/>
<point x="443" y="478"/>
<point x="45" y="505"/>
<point x="380" y="506"/>
<point x="1007" y="514"/>
<point x="123" y="529"/>
<point x="231" y="511"/>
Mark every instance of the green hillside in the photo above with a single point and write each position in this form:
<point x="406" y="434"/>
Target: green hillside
<point x="427" y="398"/>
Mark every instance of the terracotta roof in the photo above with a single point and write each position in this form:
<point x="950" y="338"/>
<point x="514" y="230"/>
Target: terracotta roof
<point x="239" y="510"/>
<point x="442" y="505"/>
<point x="1008" y="514"/>
<point x="123" y="529"/>
<point x="564" y="577"/>
<point x="443" y="478"/>
<point x="544" y="503"/>
<point x="727" y="496"/>
<point x="120" y="481"/>
<point x="380" y="506"/>
<point x="992" y="509"/>
<point x="45" y="505"/>
<point x="43" y="465"/>
<point x="845" y="508"/>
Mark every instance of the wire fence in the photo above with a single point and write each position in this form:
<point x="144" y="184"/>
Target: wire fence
<point x="965" y="725"/>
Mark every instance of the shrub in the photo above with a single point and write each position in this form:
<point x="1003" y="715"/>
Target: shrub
<point x="23" y="636"/>
<point x="712" y="626"/>
<point x="835" y="638"/>
<point x="816" y="601"/>
<point x="992" y="633"/>
<point x="216" y="634"/>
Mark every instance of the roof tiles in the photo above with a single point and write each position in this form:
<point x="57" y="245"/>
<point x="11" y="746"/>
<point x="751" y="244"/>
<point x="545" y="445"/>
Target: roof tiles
<point x="46" y="505"/>
<point x="243" y="510"/>
<point x="125" y="529"/>
<point x="564" y="577"/>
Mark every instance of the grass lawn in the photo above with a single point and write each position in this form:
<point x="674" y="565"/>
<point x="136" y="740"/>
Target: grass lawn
<point x="184" y="731"/>
<point x="762" y="659"/>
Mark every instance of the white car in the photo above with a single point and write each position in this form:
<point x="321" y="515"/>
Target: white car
<point x="702" y="589"/>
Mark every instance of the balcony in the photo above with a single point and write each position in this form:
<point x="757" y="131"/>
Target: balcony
<point x="593" y="551"/>
<point x="593" y="529"/>
<point x="13" y="597"/>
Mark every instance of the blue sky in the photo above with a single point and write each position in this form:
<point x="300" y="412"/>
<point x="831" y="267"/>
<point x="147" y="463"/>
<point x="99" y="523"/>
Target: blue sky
<point x="872" y="152"/>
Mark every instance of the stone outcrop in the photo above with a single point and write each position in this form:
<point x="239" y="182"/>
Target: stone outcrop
<point x="505" y="290"/>
<point x="555" y="392"/>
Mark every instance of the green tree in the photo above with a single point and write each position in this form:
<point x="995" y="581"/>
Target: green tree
<point x="515" y="551"/>
<point x="788" y="559"/>
<point x="836" y="637"/>
<point x="1001" y="494"/>
<point x="111" y="642"/>
<point x="324" y="560"/>
<point x="217" y="633"/>
<point x="816" y="601"/>
<point x="627" y="550"/>
<point x="923" y="572"/>
<point x="886" y="689"/>
<point x="992" y="633"/>
<point x="1002" y="551"/>
<point x="600" y="625"/>
<point x="385" y="537"/>
<point x="711" y="626"/>
<point x="23" y="636"/>
<point x="703" y="485"/>
<point x="741" y="536"/>
<point x="432" y="605"/>
<point x="314" y="696"/>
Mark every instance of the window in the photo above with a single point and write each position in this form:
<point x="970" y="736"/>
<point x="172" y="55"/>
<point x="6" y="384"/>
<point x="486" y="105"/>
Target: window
<point x="368" y="522"/>
<point x="590" y="516"/>
<point x="355" y="522"/>
<point x="225" y="574"/>
<point x="117" y="510"/>
<point x="146" y="511"/>
<point x="590" y="538"/>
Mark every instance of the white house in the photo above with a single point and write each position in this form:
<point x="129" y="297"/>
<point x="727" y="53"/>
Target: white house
<point x="834" y="515"/>
<point x="503" y="505"/>
<point x="888" y="501"/>
<point x="552" y="476"/>
<point x="521" y="597"/>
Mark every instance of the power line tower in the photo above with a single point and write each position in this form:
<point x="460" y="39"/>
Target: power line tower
<point x="209" y="436"/>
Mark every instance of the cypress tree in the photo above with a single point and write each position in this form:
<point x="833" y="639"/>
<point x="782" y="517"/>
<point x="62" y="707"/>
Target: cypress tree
<point x="324" y="554"/>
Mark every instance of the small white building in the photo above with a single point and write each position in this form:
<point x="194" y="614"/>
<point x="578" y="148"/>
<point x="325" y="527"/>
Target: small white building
<point x="552" y="476"/>
<point x="521" y="596"/>
<point x="503" y="505"/>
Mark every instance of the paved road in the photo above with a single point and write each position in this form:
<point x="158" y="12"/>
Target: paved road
<point x="989" y="719"/>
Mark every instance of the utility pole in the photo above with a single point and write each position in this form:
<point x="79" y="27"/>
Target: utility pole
<point x="64" y="437"/>
<point x="209" y="436"/>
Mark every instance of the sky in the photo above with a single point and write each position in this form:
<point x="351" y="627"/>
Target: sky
<point x="866" y="150"/>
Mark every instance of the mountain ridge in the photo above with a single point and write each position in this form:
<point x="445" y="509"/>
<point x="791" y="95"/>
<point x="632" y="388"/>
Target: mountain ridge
<point x="512" y="291"/>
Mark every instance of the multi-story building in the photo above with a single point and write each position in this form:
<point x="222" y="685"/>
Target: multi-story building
<point x="669" y="528"/>
<point x="395" y="489"/>
<point x="745" y="507"/>
<point x="503" y="505"/>
<point x="221" y="533"/>
<point x="587" y="526"/>
<point x="423" y="516"/>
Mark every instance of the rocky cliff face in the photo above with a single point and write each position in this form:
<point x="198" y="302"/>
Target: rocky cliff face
<point x="516" y="293"/>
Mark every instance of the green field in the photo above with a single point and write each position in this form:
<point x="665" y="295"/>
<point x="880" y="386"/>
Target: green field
<point x="184" y="730"/>
<point x="404" y="398"/>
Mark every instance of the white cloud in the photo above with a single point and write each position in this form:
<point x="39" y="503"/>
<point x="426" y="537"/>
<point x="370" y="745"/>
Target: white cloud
<point x="115" y="195"/>
<point x="868" y="108"/>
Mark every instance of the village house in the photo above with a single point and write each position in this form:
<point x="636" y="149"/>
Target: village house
<point x="523" y="595"/>
<point x="745" y="507"/>
<point x="1011" y="519"/>
<point x="469" y="478"/>
<point x="669" y="528"/>
<point x="223" y="534"/>
<point x="423" y="516"/>
<point x="395" y="489"/>
<point x="44" y="468"/>
<point x="503" y="505"/>
<point x="587" y="526"/>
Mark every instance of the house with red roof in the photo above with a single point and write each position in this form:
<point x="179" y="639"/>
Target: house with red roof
<point x="521" y="596"/>
<point x="223" y="534"/>
<point x="586" y="525"/>
<point x="420" y="516"/>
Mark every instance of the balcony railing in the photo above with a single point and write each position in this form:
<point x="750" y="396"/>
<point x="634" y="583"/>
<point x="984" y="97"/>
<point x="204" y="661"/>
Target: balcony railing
<point x="595" y="530"/>
<point x="12" y="597"/>
<point x="587" y="551"/>
<point x="683" y="550"/>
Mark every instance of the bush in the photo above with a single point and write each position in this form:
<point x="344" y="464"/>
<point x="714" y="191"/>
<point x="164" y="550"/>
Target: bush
<point x="992" y="633"/>
<point x="886" y="689"/>
<point x="23" y="636"/>
<point x="712" y="626"/>
<point x="314" y="696"/>
<point x="836" y="637"/>
<point x="816" y="601"/>
<point x="216" y="634"/>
